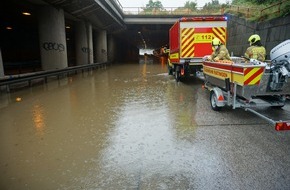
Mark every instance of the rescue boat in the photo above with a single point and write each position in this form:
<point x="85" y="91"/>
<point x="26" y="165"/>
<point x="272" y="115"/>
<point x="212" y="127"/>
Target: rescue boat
<point x="253" y="78"/>
<point x="252" y="83"/>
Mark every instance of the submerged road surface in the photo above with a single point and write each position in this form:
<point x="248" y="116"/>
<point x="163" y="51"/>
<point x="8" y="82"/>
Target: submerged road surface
<point x="131" y="126"/>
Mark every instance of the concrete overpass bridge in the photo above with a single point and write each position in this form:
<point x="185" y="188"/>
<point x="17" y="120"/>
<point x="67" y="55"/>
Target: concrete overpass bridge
<point x="55" y="34"/>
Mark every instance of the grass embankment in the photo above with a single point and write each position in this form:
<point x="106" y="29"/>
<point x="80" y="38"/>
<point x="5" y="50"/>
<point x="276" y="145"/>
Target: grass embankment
<point x="257" y="11"/>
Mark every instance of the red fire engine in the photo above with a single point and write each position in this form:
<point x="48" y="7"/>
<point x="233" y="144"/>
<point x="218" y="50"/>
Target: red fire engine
<point x="190" y="40"/>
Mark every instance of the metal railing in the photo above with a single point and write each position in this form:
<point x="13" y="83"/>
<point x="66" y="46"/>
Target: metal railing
<point x="275" y="8"/>
<point x="249" y="12"/>
<point x="44" y="75"/>
<point x="118" y="3"/>
<point x="171" y="11"/>
<point x="254" y="12"/>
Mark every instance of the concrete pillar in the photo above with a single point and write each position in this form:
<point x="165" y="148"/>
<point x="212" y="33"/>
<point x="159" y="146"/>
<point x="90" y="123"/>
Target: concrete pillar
<point x="111" y="49"/>
<point x="101" y="46"/>
<point x="84" y="43"/>
<point x="1" y="65"/>
<point x="90" y="42"/>
<point x="52" y="38"/>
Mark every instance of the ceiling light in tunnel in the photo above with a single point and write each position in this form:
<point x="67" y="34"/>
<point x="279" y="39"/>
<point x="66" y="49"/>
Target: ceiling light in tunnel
<point x="26" y="13"/>
<point x="8" y="28"/>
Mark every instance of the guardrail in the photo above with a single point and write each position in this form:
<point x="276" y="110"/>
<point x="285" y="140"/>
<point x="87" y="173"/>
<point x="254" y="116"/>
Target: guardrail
<point x="29" y="77"/>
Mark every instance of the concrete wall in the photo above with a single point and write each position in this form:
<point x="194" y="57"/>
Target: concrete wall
<point x="121" y="51"/>
<point x="271" y="32"/>
<point x="101" y="46"/>
<point x="111" y="49"/>
<point x="1" y="65"/>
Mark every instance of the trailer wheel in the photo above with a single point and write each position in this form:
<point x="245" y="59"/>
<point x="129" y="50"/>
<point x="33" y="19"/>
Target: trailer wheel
<point x="213" y="101"/>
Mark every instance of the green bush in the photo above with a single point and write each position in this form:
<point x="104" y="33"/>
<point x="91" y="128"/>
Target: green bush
<point x="285" y="11"/>
<point x="267" y="14"/>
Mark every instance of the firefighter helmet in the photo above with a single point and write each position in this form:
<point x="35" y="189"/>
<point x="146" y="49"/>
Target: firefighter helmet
<point x="216" y="42"/>
<point x="254" y="38"/>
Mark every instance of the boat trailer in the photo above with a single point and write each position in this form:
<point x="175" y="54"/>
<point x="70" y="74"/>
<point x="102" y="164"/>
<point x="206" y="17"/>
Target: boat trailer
<point x="249" y="84"/>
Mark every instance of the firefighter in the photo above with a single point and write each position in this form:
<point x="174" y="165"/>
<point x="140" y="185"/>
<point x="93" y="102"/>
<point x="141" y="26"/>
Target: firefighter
<point x="256" y="49"/>
<point x="220" y="51"/>
<point x="169" y="64"/>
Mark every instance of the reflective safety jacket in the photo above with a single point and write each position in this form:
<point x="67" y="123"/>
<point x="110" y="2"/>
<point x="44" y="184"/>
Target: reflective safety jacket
<point x="256" y="52"/>
<point x="221" y="53"/>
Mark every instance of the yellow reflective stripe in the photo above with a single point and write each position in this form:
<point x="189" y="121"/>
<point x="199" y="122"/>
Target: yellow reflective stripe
<point x="220" y="32"/>
<point x="252" y="73"/>
<point x="187" y="42"/>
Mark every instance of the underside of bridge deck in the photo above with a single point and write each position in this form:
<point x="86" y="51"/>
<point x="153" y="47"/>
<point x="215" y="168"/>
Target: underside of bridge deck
<point x="148" y="36"/>
<point x="21" y="43"/>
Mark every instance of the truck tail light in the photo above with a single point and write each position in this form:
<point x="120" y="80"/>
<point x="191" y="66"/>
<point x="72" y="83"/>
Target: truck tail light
<point x="283" y="125"/>
<point x="182" y="72"/>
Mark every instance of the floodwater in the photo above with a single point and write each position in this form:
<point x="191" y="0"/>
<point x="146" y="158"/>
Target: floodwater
<point x="131" y="126"/>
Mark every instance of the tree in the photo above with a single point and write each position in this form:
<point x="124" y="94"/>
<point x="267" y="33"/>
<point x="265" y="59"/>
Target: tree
<point x="212" y="5"/>
<point x="258" y="2"/>
<point x="153" y="5"/>
<point x="190" y="5"/>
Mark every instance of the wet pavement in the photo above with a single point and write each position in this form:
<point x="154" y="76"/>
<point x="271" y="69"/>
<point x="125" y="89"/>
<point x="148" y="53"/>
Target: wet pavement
<point x="131" y="126"/>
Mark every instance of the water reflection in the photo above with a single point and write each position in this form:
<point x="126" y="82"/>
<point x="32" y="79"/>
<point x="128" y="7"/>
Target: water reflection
<point x="130" y="127"/>
<point x="163" y="61"/>
<point x="38" y="119"/>
<point x="149" y="136"/>
<point x="144" y="72"/>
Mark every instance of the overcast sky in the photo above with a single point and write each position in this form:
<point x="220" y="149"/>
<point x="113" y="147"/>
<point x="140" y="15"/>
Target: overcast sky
<point x="165" y="3"/>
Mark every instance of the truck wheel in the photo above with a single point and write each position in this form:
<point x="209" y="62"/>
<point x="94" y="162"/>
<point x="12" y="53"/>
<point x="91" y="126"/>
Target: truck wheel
<point x="170" y="70"/>
<point x="177" y="76"/>
<point x="213" y="101"/>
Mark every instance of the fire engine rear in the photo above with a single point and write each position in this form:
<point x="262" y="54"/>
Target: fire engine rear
<point x="190" y="40"/>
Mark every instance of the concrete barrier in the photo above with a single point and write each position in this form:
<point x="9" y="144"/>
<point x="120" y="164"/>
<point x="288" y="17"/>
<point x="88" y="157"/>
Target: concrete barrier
<point x="271" y="32"/>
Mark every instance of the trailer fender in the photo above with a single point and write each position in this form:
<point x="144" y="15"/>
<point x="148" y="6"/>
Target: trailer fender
<point x="217" y="99"/>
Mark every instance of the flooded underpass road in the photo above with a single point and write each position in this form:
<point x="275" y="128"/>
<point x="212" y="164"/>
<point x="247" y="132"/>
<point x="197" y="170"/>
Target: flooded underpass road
<point x="131" y="126"/>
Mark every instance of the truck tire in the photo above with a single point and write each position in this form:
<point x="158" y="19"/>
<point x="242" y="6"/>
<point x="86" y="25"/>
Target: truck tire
<point x="177" y="76"/>
<point x="177" y="73"/>
<point x="170" y="70"/>
<point x="213" y="101"/>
